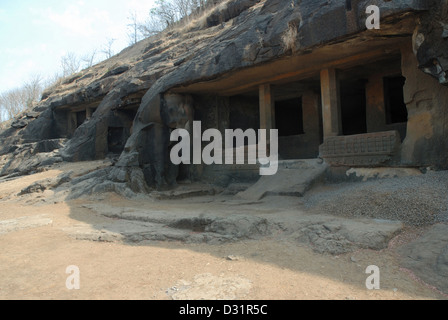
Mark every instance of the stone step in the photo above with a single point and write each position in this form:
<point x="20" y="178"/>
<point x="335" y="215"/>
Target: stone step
<point x="187" y="191"/>
<point x="294" y="178"/>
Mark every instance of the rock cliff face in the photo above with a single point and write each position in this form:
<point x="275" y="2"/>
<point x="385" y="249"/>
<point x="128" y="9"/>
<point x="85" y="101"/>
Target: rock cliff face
<point x="128" y="104"/>
<point x="431" y="41"/>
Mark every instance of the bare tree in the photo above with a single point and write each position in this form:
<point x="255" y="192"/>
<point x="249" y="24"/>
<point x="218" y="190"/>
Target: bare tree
<point x="33" y="90"/>
<point x="164" y="15"/>
<point x="183" y="7"/>
<point x="89" y="59"/>
<point x="53" y="81"/>
<point x="167" y="12"/>
<point x="17" y="100"/>
<point x="2" y="115"/>
<point x="151" y="26"/>
<point x="134" y="28"/>
<point x="12" y="102"/>
<point x="107" y="48"/>
<point x="70" y="64"/>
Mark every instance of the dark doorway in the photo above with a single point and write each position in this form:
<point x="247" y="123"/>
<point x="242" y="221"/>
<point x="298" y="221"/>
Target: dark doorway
<point x="80" y="118"/>
<point x="120" y="123"/>
<point x="289" y="117"/>
<point x="116" y="140"/>
<point x="396" y="111"/>
<point x="353" y="107"/>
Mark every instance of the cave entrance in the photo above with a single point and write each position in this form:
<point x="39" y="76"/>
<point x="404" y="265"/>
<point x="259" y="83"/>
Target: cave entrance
<point x="292" y="108"/>
<point x="70" y="118"/>
<point x="365" y="116"/>
<point x="298" y="118"/>
<point x="116" y="139"/>
<point x="365" y="99"/>
<point x="395" y="107"/>
<point x="353" y="107"/>
<point x="289" y="117"/>
<point x="119" y="129"/>
<point x="120" y="122"/>
<point x="396" y="111"/>
<point x="81" y="117"/>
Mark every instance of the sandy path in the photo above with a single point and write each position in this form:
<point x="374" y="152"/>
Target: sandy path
<point x="33" y="264"/>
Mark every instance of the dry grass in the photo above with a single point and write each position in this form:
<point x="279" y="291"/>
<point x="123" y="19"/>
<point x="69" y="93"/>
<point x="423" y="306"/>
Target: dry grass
<point x="199" y="20"/>
<point x="178" y="32"/>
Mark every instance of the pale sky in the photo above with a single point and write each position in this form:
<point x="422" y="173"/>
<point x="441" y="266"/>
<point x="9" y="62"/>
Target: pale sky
<point x="34" y="35"/>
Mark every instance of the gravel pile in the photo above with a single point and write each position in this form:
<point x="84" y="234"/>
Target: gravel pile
<point x="415" y="200"/>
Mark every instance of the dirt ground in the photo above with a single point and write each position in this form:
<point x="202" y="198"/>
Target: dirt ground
<point x="34" y="260"/>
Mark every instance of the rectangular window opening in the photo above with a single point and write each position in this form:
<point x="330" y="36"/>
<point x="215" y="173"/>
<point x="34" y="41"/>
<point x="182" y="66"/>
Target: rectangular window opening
<point x="289" y="117"/>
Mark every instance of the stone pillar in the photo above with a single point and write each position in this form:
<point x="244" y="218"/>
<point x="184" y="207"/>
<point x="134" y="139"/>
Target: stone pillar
<point x="223" y="113"/>
<point x="267" y="107"/>
<point x="331" y="103"/>
<point x="72" y="123"/>
<point x="376" y="109"/>
<point x="310" y="107"/>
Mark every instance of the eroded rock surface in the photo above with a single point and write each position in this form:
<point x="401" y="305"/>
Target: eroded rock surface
<point x="13" y="225"/>
<point x="142" y="87"/>
<point x="324" y="234"/>
<point x="427" y="257"/>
